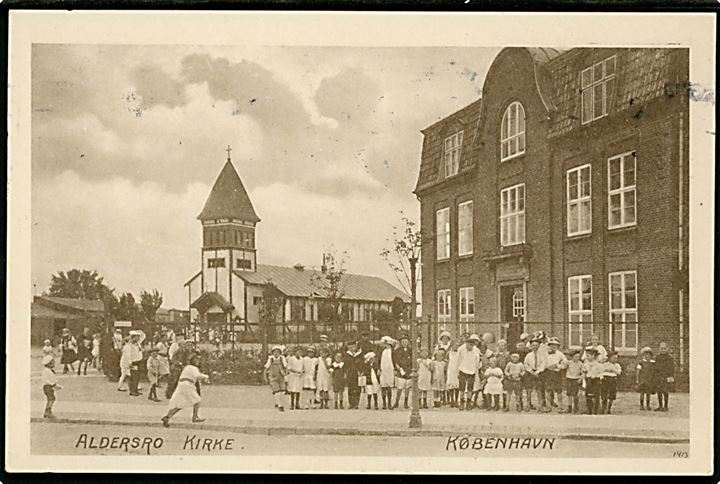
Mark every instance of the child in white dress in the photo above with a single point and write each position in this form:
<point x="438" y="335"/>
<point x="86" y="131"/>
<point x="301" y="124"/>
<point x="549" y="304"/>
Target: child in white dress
<point x="310" y="366"/>
<point x="439" y="367"/>
<point x="452" y="383"/>
<point x="323" y="377"/>
<point x="186" y="393"/>
<point x="295" y="378"/>
<point x="424" y="377"/>
<point x="493" y="385"/>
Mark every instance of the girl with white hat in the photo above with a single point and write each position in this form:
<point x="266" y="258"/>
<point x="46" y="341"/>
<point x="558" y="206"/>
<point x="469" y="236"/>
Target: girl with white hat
<point x="452" y="384"/>
<point x="310" y="366"/>
<point x="372" y="381"/>
<point x="323" y="376"/>
<point x="275" y="371"/>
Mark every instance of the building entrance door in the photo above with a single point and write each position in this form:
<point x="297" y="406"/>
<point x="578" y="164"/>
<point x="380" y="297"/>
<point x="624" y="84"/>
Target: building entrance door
<point x="512" y="312"/>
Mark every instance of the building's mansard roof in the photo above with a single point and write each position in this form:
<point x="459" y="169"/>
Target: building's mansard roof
<point x="642" y="75"/>
<point x="228" y="198"/>
<point x="305" y="282"/>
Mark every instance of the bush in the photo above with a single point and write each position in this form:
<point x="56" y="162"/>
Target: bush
<point x="232" y="367"/>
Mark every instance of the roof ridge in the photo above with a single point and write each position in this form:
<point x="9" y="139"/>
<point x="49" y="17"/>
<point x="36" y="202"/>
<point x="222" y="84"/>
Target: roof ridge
<point x="228" y="198"/>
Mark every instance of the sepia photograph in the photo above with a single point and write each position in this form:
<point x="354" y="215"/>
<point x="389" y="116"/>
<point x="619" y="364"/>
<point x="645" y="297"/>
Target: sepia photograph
<point x="360" y="253"/>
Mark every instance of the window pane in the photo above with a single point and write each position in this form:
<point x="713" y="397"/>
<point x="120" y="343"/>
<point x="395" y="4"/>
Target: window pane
<point x="587" y="105"/>
<point x="585" y="215"/>
<point x="629" y="172"/>
<point x="614" y="171"/>
<point x="585" y="182"/>
<point x="630" y="335"/>
<point x="598" y="100"/>
<point x="586" y="78"/>
<point x="521" y="198"/>
<point x="615" y="210"/>
<point x="521" y="228"/>
<point x="597" y="72"/>
<point x="618" y="335"/>
<point x="609" y="94"/>
<point x="610" y="66"/>
<point x="521" y="143"/>
<point x="629" y="207"/>
<point x="573" y="219"/>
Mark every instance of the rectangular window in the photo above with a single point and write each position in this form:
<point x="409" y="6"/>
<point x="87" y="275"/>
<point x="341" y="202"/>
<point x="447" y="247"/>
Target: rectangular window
<point x="597" y="89"/>
<point x="216" y="262"/>
<point x="512" y="215"/>
<point x="442" y="219"/>
<point x="451" y="153"/>
<point x="244" y="264"/>
<point x="257" y="300"/>
<point x="444" y="305"/>
<point x="467" y="304"/>
<point x="579" y="201"/>
<point x="623" y="309"/>
<point x="465" y="228"/>
<point x="622" y="206"/>
<point x="579" y="310"/>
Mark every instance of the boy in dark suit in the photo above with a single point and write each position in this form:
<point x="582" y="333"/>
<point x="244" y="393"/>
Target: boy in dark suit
<point x="664" y="376"/>
<point x="353" y="362"/>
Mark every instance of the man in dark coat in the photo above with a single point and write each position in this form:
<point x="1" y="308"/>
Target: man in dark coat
<point x="402" y="357"/>
<point x="664" y="376"/>
<point x="353" y="362"/>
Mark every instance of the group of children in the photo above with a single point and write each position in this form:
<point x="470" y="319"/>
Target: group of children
<point x="460" y="375"/>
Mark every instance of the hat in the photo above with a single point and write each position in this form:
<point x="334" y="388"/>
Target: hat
<point x="387" y="340"/>
<point x="66" y="331"/>
<point x="351" y="342"/>
<point x="611" y="353"/>
<point x="646" y="349"/>
<point x="370" y="355"/>
<point x="474" y="337"/>
<point x="135" y="332"/>
<point x="47" y="341"/>
<point x="118" y="330"/>
<point x="276" y="347"/>
<point x="154" y="349"/>
<point x="445" y="333"/>
<point x="404" y="336"/>
<point x="554" y="341"/>
<point x="47" y="359"/>
<point x="323" y="338"/>
<point x="311" y="348"/>
<point x="524" y="336"/>
<point x="590" y="349"/>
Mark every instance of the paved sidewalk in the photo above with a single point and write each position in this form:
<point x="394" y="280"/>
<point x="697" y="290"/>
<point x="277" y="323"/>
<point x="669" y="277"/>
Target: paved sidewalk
<point x="369" y="422"/>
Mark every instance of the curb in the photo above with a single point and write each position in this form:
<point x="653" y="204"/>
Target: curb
<point x="354" y="431"/>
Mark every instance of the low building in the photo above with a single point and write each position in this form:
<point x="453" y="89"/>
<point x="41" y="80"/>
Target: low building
<point x="49" y="315"/>
<point x="230" y="284"/>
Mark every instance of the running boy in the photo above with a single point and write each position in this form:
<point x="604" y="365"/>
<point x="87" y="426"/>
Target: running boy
<point x="50" y="384"/>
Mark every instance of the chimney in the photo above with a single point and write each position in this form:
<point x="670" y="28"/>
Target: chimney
<point x="323" y="267"/>
<point x="299" y="267"/>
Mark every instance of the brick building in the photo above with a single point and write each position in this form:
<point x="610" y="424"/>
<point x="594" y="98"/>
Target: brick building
<point x="559" y="200"/>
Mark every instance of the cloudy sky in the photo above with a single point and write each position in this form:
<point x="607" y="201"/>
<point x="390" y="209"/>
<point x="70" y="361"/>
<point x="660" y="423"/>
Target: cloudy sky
<point x="128" y="140"/>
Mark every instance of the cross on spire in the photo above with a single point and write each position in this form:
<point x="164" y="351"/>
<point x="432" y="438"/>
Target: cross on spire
<point x="228" y="152"/>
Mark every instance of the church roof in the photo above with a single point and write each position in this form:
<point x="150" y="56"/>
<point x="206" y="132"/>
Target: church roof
<point x="209" y="299"/>
<point x="304" y="282"/>
<point x="228" y="198"/>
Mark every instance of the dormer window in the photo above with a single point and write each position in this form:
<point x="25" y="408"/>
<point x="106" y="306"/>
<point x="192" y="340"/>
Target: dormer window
<point x="451" y="154"/>
<point x="597" y="88"/>
<point x="512" y="132"/>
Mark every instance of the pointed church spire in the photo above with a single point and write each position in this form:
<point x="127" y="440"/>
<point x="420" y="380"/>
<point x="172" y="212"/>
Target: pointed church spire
<point x="228" y="197"/>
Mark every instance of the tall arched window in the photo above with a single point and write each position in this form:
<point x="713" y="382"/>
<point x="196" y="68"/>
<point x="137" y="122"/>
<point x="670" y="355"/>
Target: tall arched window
<point x="512" y="132"/>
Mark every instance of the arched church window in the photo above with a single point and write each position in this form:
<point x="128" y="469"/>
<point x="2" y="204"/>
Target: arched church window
<point x="512" y="132"/>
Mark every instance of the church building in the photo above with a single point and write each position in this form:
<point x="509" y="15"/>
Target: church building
<point x="229" y="286"/>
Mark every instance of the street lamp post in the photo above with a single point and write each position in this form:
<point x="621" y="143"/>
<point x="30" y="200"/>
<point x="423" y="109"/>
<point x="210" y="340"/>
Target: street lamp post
<point x="415" y="419"/>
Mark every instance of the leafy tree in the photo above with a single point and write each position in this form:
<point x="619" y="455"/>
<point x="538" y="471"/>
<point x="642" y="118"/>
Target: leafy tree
<point x="329" y="288"/>
<point x="127" y="309"/>
<point x="150" y="302"/>
<point x="78" y="284"/>
<point x="272" y="304"/>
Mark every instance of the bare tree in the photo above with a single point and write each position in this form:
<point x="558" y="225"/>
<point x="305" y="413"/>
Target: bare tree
<point x="329" y="286"/>
<point x="404" y="250"/>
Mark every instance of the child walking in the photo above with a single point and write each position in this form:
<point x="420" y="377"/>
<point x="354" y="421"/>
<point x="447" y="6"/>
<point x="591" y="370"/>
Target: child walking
<point x="48" y="348"/>
<point x="338" y="378"/>
<point x="424" y="376"/>
<point x="50" y="384"/>
<point x="644" y="377"/>
<point x="514" y="372"/>
<point x="439" y="377"/>
<point x="573" y="381"/>
<point x="452" y="383"/>
<point x="493" y="384"/>
<point x="153" y="374"/>
<point x="310" y="366"/>
<point x="295" y="377"/>
<point x="323" y="377"/>
<point x="608" y="388"/>
<point x="275" y="371"/>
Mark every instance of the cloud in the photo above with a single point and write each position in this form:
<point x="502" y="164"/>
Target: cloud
<point x="157" y="87"/>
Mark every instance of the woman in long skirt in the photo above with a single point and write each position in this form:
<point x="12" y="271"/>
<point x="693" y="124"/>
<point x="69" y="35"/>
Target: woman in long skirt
<point x="186" y="394"/>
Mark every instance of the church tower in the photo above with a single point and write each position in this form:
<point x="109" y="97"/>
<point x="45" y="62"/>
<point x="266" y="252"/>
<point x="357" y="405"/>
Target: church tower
<point x="228" y="223"/>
